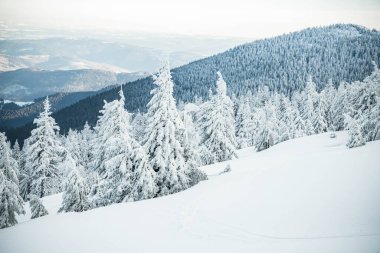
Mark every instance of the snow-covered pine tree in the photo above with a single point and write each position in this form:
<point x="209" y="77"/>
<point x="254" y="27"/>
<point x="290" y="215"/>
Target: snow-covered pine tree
<point x="36" y="207"/>
<point x="318" y="118"/>
<point x="164" y="130"/>
<point x="245" y="130"/>
<point x="191" y="148"/>
<point x="372" y="123"/>
<point x="310" y="96"/>
<point x="123" y="165"/>
<point x="328" y="95"/>
<point x="11" y="202"/>
<point x="289" y="123"/>
<point x="299" y="129"/>
<point x="339" y="108"/>
<point x="16" y="152"/>
<point x="354" y="132"/>
<point x="74" y="196"/>
<point x="86" y="151"/>
<point x="283" y="114"/>
<point x="44" y="154"/>
<point x="370" y="109"/>
<point x="218" y="126"/>
<point x="25" y="178"/>
<point x="267" y="134"/>
<point x="86" y="137"/>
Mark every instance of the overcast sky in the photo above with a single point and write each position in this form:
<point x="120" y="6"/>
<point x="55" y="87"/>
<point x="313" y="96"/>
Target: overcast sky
<point x="241" y="18"/>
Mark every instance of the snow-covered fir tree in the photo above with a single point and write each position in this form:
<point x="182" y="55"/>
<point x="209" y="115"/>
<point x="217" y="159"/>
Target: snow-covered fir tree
<point x="16" y="152"/>
<point x="86" y="144"/>
<point x="125" y="172"/>
<point x="339" y="107"/>
<point x="245" y="128"/>
<point x="319" y="117"/>
<point x="11" y="202"/>
<point x="366" y="100"/>
<point x="75" y="195"/>
<point x="355" y="136"/>
<point x="328" y="95"/>
<point x="25" y="178"/>
<point x="267" y="132"/>
<point x="36" y="207"/>
<point x="164" y="131"/>
<point x="86" y="151"/>
<point x="190" y="142"/>
<point x="218" y="126"/>
<point x="298" y="124"/>
<point x="44" y="153"/>
<point x="282" y="113"/>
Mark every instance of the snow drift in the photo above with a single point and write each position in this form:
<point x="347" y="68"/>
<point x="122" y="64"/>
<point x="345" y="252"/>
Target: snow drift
<point x="311" y="194"/>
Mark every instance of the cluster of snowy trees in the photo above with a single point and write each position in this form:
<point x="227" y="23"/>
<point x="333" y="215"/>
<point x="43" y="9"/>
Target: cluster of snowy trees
<point x="265" y="118"/>
<point x="128" y="157"/>
<point x="107" y="164"/>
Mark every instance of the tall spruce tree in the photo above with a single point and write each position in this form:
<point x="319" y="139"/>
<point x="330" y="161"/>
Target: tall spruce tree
<point x="44" y="153"/>
<point x="245" y="129"/>
<point x="74" y="196"/>
<point x="218" y="126"/>
<point x="164" y="132"/>
<point x="36" y="207"/>
<point x="11" y="202"/>
<point x="355" y="135"/>
<point x="125" y="172"/>
<point x="268" y="128"/>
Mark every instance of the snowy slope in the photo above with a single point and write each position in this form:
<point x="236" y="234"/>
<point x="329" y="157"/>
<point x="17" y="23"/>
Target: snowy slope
<point x="305" y="195"/>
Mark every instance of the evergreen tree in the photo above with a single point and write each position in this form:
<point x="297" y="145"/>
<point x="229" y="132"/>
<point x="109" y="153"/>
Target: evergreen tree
<point x="339" y="108"/>
<point x="370" y="112"/>
<point x="245" y="130"/>
<point x="86" y="145"/>
<point x="284" y="116"/>
<point x="372" y="123"/>
<point x="123" y="165"/>
<point x="218" y="126"/>
<point x="44" y="154"/>
<point x="86" y="150"/>
<point x="354" y="132"/>
<point x="37" y="208"/>
<point x="328" y="95"/>
<point x="164" y="130"/>
<point x="319" y="117"/>
<point x="268" y="127"/>
<point x="16" y="152"/>
<point x="74" y="196"/>
<point x="299" y="127"/>
<point x="11" y="202"/>
<point x="25" y="178"/>
<point x="191" y="147"/>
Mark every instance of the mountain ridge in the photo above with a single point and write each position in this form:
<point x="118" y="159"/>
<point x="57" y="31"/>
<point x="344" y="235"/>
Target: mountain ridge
<point x="341" y="52"/>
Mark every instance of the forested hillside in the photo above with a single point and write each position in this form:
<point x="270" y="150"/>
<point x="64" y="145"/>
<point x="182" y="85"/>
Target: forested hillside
<point x="337" y="52"/>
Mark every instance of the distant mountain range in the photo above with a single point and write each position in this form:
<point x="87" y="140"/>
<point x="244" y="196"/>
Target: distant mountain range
<point x="339" y="52"/>
<point x="110" y="52"/>
<point x="31" y="68"/>
<point x="28" y="84"/>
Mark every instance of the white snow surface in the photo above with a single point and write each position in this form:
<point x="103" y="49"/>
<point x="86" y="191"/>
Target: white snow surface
<point x="305" y="195"/>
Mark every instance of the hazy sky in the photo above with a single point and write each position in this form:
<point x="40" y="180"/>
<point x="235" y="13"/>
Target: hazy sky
<point x="244" y="18"/>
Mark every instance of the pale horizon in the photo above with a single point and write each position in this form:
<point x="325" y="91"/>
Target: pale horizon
<point x="244" y="19"/>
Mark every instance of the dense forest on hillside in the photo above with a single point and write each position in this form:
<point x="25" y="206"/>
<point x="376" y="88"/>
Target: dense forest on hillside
<point x="283" y="63"/>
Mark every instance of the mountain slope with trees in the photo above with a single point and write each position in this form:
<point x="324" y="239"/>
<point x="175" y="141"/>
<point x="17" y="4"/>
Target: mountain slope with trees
<point x="283" y="64"/>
